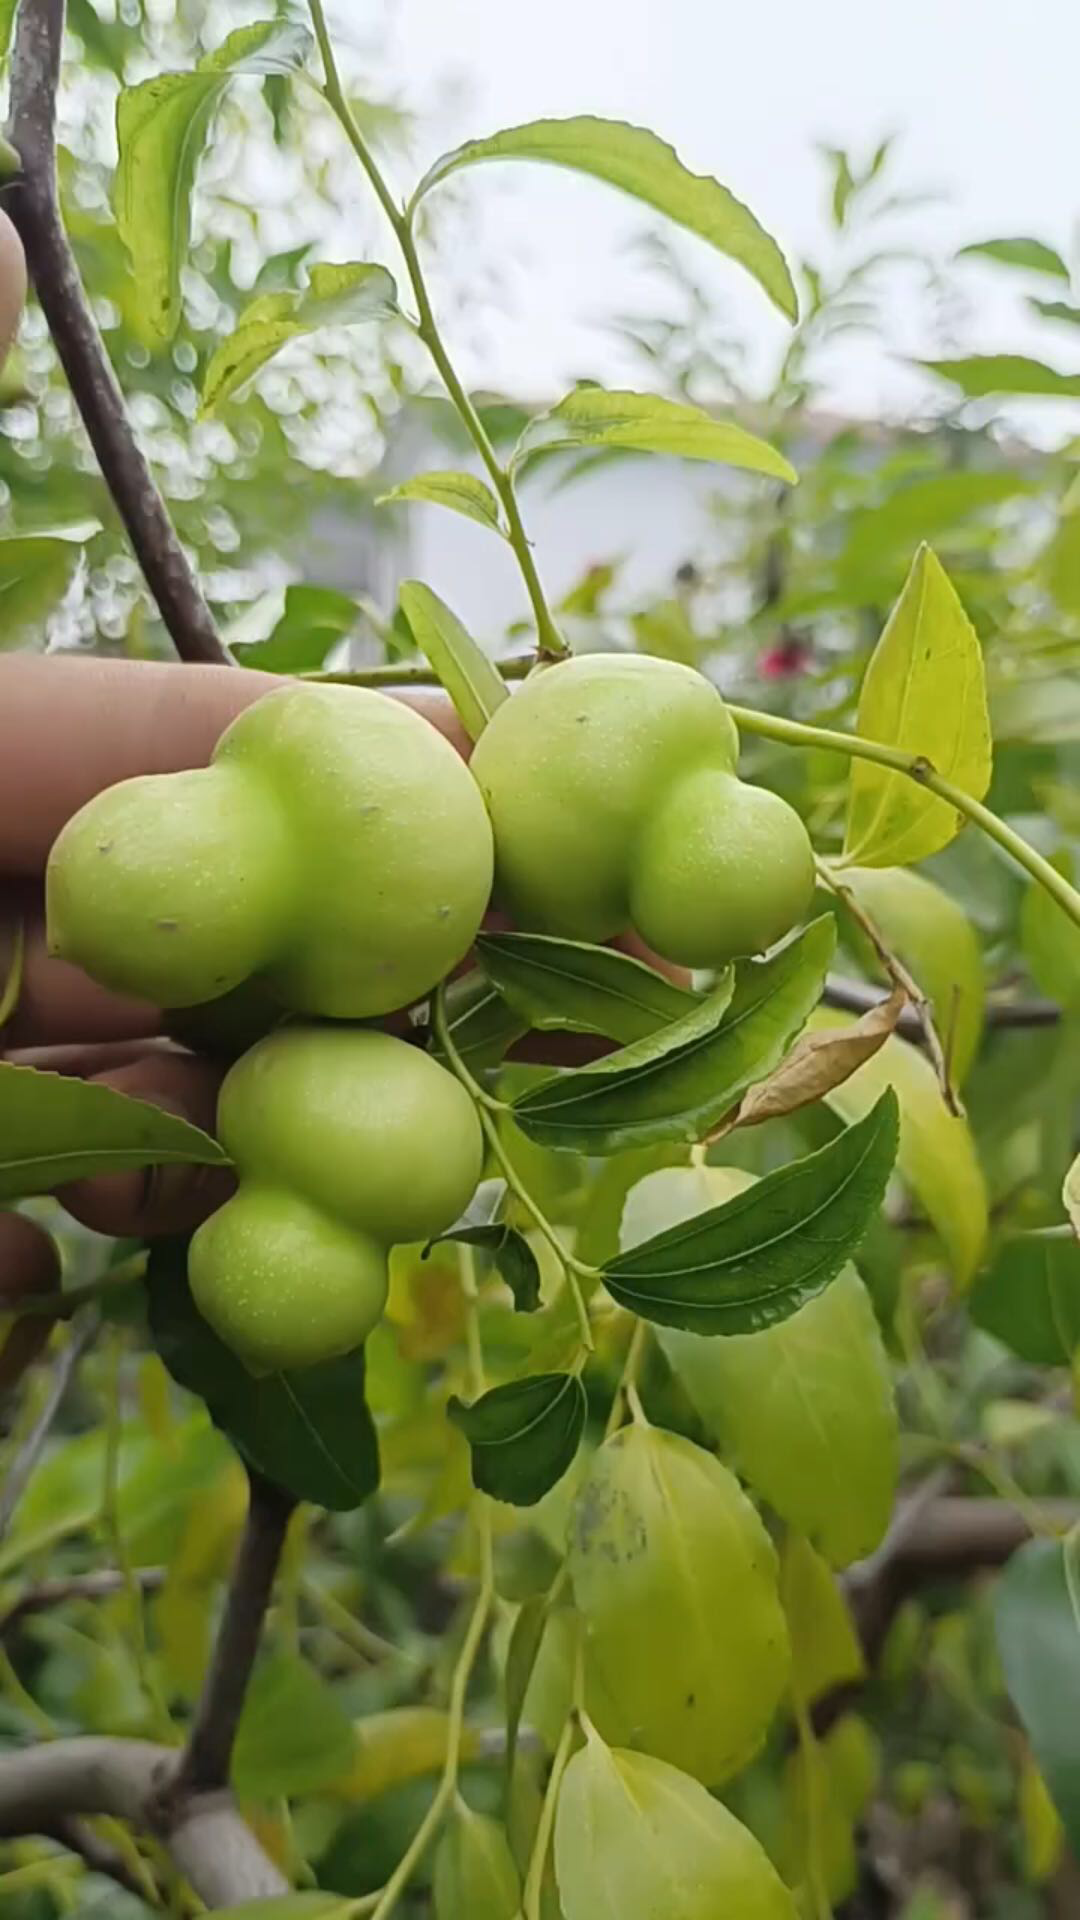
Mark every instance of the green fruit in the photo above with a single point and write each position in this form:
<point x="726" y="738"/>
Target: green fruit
<point x="610" y="780"/>
<point x="336" y="847"/>
<point x="934" y="938"/>
<point x="635" y="1839"/>
<point x="475" y="1875"/>
<point x="345" y="1142"/>
<point x="676" y="1579"/>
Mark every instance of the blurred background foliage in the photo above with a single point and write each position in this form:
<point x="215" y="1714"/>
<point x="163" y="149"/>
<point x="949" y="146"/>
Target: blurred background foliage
<point x="930" y="1801"/>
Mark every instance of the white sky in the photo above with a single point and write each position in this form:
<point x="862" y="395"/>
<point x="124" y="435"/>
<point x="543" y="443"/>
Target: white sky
<point x="982" y="92"/>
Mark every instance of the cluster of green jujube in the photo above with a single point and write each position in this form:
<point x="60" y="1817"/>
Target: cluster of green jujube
<point x="335" y="861"/>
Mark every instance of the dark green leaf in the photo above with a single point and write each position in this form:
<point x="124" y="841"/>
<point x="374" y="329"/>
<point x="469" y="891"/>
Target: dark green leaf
<point x="1038" y="1636"/>
<point x="313" y="620"/>
<point x="482" y="1026"/>
<point x="644" y="423"/>
<point x="758" y="1258"/>
<point x="161" y="129"/>
<point x="55" y="1129"/>
<point x="461" y="492"/>
<point x="1033" y="256"/>
<point x="474" y="685"/>
<point x="677" y="1083"/>
<point x="645" y="166"/>
<point x="36" y="570"/>
<point x="346" y="295"/>
<point x="293" y="1736"/>
<point x="556" y="983"/>
<point x="511" y="1254"/>
<point x="309" y="1431"/>
<point x="1029" y="1298"/>
<point x="981" y="374"/>
<point x="524" y="1435"/>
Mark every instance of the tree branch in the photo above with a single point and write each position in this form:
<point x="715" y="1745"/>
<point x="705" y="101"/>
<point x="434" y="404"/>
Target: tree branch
<point x="98" y="1856"/>
<point x="78" y="1586"/>
<point x="858" y="996"/>
<point x="204" y="1766"/>
<point x="34" y="205"/>
<point x="42" y="1787"/>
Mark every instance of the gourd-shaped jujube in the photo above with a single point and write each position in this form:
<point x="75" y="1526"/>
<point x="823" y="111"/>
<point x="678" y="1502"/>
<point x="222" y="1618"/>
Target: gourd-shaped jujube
<point x="346" y="1142"/>
<point x="336" y="849"/>
<point x="611" y="785"/>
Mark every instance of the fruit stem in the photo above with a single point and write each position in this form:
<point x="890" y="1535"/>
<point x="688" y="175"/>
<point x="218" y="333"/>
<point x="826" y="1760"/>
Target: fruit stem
<point x="798" y="733"/>
<point x="382" y="1904"/>
<point x="628" y="1377"/>
<point x="552" y="646"/>
<point x="574" y="1270"/>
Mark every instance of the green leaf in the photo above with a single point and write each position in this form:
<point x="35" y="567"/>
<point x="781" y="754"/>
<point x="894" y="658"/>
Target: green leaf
<point x="1038" y="1633"/>
<point x="161" y="128"/>
<point x="521" y="1658"/>
<point x="54" y="1129"/>
<point x="474" y="685"/>
<point x="336" y="296"/>
<point x="7" y="22"/>
<point x="677" y="1083"/>
<point x="570" y="985"/>
<point x="758" y="1258"/>
<point x="313" y="620"/>
<point x="475" y="1876"/>
<point x="925" y="693"/>
<point x="461" y="492"/>
<point x="982" y="374"/>
<point x="645" y="166"/>
<point x="1057" y="310"/>
<point x="933" y="936"/>
<point x="825" y="1649"/>
<point x="511" y="1254"/>
<point x="524" y="1435"/>
<point x="1029" y="1297"/>
<point x="643" y="423"/>
<point x="937" y="1160"/>
<point x="1033" y="256"/>
<point x="293" y="1736"/>
<point x="1051" y="943"/>
<point x="309" y="1431"/>
<point x="483" y="1028"/>
<point x="36" y="570"/>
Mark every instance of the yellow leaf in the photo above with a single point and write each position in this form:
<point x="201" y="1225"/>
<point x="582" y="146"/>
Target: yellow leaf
<point x="937" y="1159"/>
<point x="925" y="694"/>
<point x="825" y="1651"/>
<point x="404" y="1743"/>
<point x="1040" y="1825"/>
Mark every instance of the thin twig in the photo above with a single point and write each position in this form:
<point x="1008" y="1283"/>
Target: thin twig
<point x="99" y="1585"/>
<point x="901" y="977"/>
<point x="99" y="1857"/>
<point x="858" y="996"/>
<point x="34" y="205"/>
<point x="30" y="1452"/>
<point x="204" y="1766"/>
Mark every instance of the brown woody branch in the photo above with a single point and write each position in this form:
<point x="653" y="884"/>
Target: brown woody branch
<point x="857" y="996"/>
<point x="33" y="202"/>
<point x="204" y="1766"/>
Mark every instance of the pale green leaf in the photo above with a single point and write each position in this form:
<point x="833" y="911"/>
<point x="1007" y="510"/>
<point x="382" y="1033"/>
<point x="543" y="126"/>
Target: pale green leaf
<point x="825" y="1649"/>
<point x="979" y="375"/>
<point x="937" y="1159"/>
<point x="1051" y="943"/>
<point x="54" y="1129"/>
<point x="473" y="683"/>
<point x="1031" y="256"/>
<point x="644" y="423"/>
<point x="1039" y="1642"/>
<point x="36" y="570"/>
<point x="475" y="1876"/>
<point x="924" y="693"/>
<point x="294" y="1736"/>
<point x="7" y="22"/>
<point x="1029" y="1298"/>
<point x="461" y="492"/>
<point x="645" y="166"/>
<point x="291" y="1906"/>
<point x="933" y="936"/>
<point x="161" y="129"/>
<point x="336" y="296"/>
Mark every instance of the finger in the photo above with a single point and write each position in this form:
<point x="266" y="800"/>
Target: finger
<point x="71" y="726"/>
<point x="58" y="1003"/>
<point x="12" y="285"/>
<point x="156" y="1200"/>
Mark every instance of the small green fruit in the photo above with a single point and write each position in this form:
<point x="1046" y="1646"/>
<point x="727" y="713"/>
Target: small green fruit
<point x="345" y="1142"/>
<point x="610" y="780"/>
<point x="336" y="847"/>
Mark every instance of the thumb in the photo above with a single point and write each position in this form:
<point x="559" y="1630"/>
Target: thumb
<point x="156" y="1200"/>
